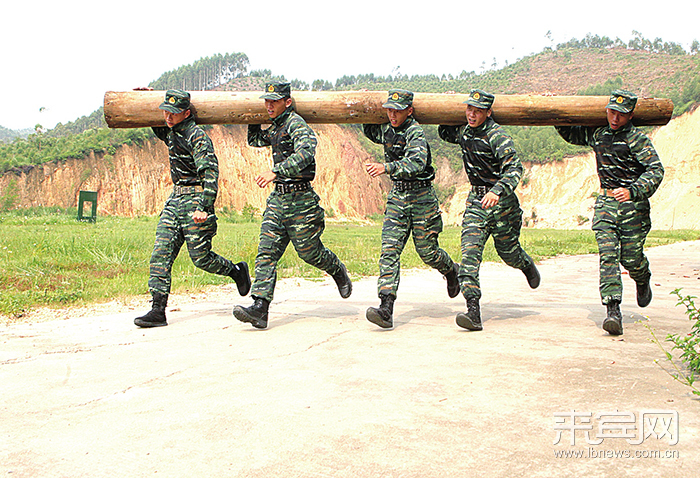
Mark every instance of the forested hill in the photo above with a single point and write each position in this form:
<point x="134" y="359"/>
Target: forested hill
<point x="592" y="66"/>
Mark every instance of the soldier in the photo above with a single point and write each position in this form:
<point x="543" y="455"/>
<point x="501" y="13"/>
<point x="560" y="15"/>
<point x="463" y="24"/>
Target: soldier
<point x="188" y="215"/>
<point x="494" y="170"/>
<point x="293" y="212"/>
<point x="630" y="172"/>
<point x="412" y="206"/>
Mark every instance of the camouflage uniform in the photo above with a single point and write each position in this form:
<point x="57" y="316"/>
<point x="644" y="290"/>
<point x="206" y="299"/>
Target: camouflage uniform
<point x="195" y="171"/>
<point x="625" y="158"/>
<point x="492" y="164"/>
<point x="293" y="212"/>
<point x="412" y="206"/>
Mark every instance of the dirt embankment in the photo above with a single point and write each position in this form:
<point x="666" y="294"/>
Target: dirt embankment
<point x="136" y="180"/>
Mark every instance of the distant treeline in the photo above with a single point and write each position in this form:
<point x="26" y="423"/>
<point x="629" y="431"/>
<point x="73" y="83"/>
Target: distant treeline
<point x="205" y="73"/>
<point x="42" y="148"/>
<point x="84" y="123"/>
<point x="638" y="43"/>
<point x="7" y="134"/>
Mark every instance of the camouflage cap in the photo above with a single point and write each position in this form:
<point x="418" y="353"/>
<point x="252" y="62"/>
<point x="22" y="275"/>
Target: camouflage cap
<point x="176" y="101"/>
<point x="277" y="90"/>
<point x="399" y="100"/>
<point x="622" y="101"/>
<point x="480" y="99"/>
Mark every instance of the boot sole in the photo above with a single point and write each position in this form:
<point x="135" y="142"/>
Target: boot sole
<point x="148" y="325"/>
<point x="534" y="281"/>
<point x="376" y="319"/>
<point x="466" y="323"/>
<point x="453" y="292"/>
<point x="245" y="287"/>
<point x="612" y="327"/>
<point x="644" y="301"/>
<point x="348" y="292"/>
<point x="240" y="314"/>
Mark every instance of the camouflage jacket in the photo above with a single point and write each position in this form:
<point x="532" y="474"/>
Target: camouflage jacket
<point x="488" y="155"/>
<point x="192" y="159"/>
<point x="293" y="146"/>
<point x="406" y="151"/>
<point x="625" y="157"/>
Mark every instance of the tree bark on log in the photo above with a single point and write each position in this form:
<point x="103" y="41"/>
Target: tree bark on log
<point x="136" y="109"/>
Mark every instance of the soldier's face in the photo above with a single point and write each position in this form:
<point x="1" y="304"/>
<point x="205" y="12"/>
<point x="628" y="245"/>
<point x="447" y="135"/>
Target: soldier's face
<point x="276" y="107"/>
<point x="477" y="116"/>
<point x="171" y="119"/>
<point x="397" y="117"/>
<point x="618" y="120"/>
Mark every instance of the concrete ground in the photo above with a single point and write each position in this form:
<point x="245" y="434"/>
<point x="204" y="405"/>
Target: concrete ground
<point x="324" y="393"/>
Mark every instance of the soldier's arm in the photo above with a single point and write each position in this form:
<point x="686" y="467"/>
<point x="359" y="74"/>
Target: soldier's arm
<point x="580" y="135"/>
<point x="449" y="133"/>
<point x="374" y="132"/>
<point x="415" y="158"/>
<point x="257" y="137"/>
<point x="207" y="167"/>
<point x="650" y="180"/>
<point x="161" y="132"/>
<point x="511" y="167"/>
<point x="304" y="140"/>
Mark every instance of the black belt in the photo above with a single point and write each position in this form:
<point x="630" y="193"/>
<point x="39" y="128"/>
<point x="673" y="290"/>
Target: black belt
<point x="284" y="188"/>
<point x="411" y="185"/>
<point x="179" y="190"/>
<point x="480" y="191"/>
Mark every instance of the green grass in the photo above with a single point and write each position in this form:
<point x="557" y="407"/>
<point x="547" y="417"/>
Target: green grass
<point x="48" y="258"/>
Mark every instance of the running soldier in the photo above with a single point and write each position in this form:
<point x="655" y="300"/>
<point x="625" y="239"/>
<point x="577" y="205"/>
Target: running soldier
<point x="412" y="206"/>
<point x="494" y="171"/>
<point x="293" y="213"/>
<point x="188" y="215"/>
<point x="630" y="172"/>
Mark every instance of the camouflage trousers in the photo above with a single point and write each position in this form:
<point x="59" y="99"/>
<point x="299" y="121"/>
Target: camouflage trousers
<point x="295" y="217"/>
<point x="503" y="222"/>
<point x="621" y="229"/>
<point x="175" y="228"/>
<point x="407" y="213"/>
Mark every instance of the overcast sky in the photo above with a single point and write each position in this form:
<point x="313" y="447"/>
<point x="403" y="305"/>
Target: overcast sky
<point x="59" y="58"/>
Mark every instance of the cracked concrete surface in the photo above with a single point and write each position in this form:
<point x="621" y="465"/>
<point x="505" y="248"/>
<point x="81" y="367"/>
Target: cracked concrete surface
<point x="322" y="392"/>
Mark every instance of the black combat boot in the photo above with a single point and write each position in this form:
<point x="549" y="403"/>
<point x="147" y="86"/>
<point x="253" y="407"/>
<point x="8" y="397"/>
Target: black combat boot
<point x="342" y="280"/>
<point x="256" y="314"/>
<point x="532" y="274"/>
<point x="452" y="281"/>
<point x="156" y="316"/>
<point x="383" y="316"/>
<point x="643" y="293"/>
<point x="241" y="275"/>
<point x="472" y="319"/>
<point x="613" y="322"/>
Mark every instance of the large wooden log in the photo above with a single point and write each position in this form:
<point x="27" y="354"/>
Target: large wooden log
<point x="134" y="109"/>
